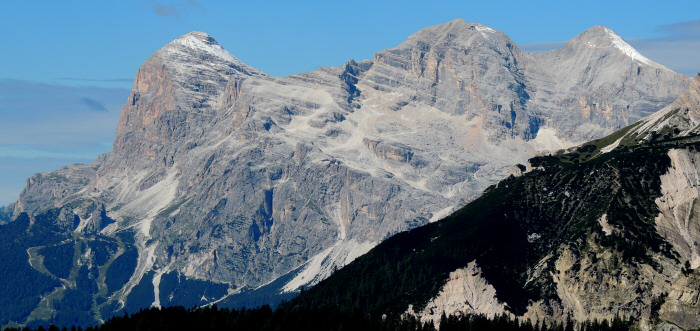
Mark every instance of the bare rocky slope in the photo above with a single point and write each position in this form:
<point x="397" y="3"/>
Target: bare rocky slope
<point x="227" y="178"/>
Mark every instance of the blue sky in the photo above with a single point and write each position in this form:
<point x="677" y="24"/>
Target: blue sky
<point x="68" y="66"/>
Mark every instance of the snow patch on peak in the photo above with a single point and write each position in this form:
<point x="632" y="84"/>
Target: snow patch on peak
<point x="197" y="51"/>
<point x="203" y="36"/>
<point x="483" y="28"/>
<point x="460" y="26"/>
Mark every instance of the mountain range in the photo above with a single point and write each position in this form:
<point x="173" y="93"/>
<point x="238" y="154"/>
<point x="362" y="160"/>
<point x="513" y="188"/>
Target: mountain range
<point x="606" y="230"/>
<point x="226" y="185"/>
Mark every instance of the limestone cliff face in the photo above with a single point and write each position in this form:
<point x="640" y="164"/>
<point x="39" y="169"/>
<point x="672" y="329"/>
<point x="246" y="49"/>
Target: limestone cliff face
<point x="677" y="220"/>
<point x="223" y="173"/>
<point x="603" y="286"/>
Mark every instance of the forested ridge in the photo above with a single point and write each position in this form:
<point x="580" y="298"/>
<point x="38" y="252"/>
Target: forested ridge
<point x="265" y="319"/>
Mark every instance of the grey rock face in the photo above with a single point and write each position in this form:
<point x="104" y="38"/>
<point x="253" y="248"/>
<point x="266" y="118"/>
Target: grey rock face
<point x="233" y="176"/>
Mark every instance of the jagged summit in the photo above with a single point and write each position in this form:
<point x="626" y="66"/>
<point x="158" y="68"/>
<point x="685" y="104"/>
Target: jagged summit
<point x="189" y="73"/>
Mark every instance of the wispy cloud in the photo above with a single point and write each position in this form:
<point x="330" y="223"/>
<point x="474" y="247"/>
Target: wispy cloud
<point x="56" y="118"/>
<point x="173" y="10"/>
<point x="683" y="30"/>
<point x="196" y="4"/>
<point x="35" y="152"/>
<point x="15" y="171"/>
<point x="678" y="49"/>
<point x="94" y="104"/>
<point x="46" y="126"/>
<point x="166" y="11"/>
<point x="110" y="80"/>
<point x="27" y="101"/>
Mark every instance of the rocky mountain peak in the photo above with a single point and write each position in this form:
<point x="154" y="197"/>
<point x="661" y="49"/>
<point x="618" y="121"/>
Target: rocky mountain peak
<point x="198" y="47"/>
<point x="198" y="35"/>
<point x="691" y="97"/>
<point x="605" y="40"/>
<point x="459" y="34"/>
<point x="695" y="85"/>
<point x="445" y="63"/>
<point x="676" y="121"/>
<point x="182" y="82"/>
<point x="199" y="42"/>
<point x="597" y="36"/>
<point x="461" y="26"/>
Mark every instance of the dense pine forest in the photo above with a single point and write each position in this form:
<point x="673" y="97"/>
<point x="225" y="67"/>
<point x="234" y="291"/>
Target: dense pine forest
<point x="265" y="319"/>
